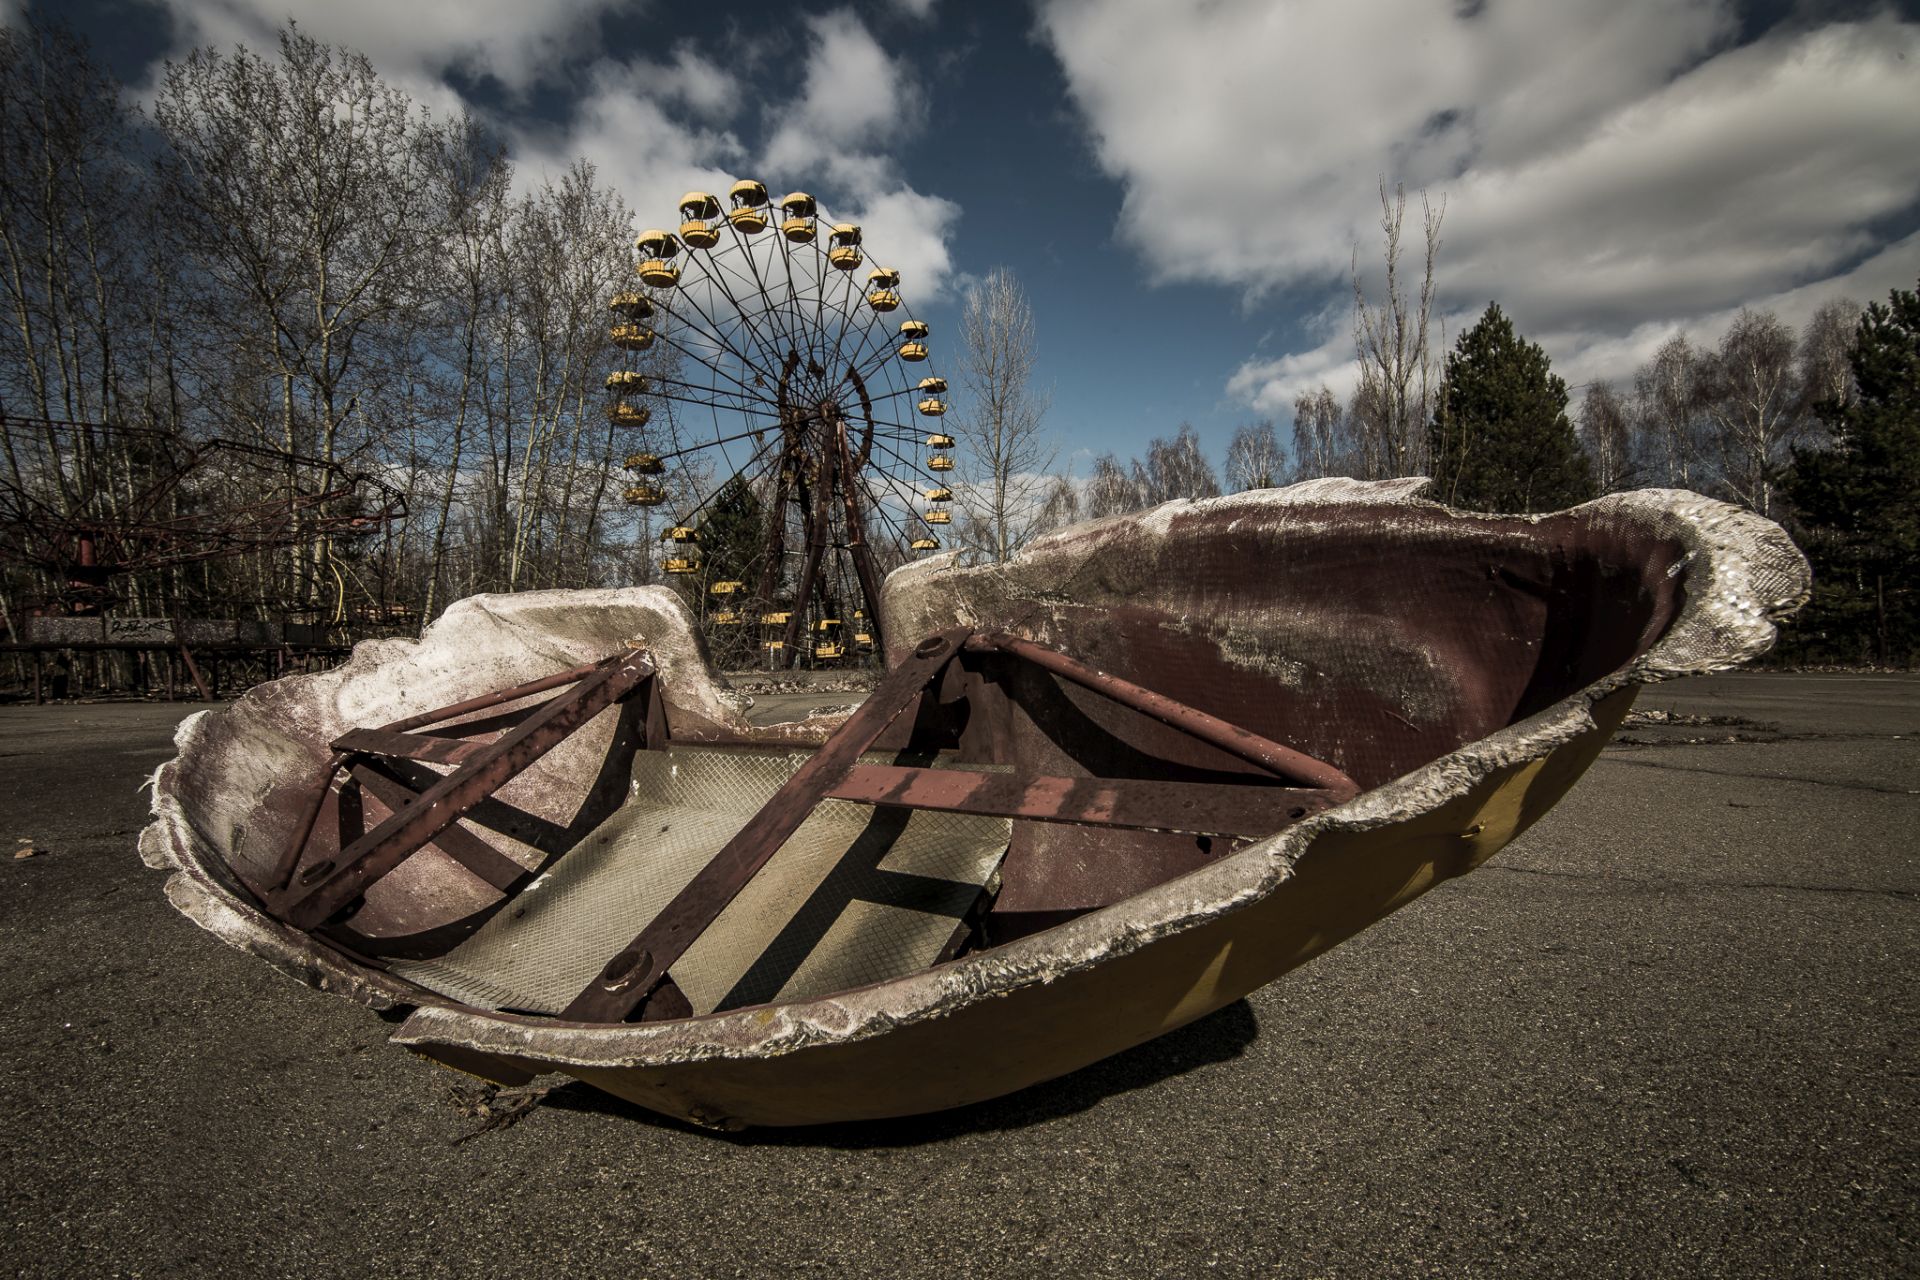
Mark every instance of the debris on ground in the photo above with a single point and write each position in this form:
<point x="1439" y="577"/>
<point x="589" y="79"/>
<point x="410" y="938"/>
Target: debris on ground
<point x="494" y="1107"/>
<point x="1671" y="729"/>
<point x="28" y="849"/>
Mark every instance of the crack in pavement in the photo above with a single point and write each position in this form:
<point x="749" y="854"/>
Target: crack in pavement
<point x="1899" y="895"/>
<point x="1769" y="777"/>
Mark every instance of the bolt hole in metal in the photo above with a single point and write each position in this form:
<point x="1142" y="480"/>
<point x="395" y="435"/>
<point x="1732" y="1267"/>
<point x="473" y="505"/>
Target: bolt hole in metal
<point x="625" y="968"/>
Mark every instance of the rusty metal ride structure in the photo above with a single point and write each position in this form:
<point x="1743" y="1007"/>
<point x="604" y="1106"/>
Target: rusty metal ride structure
<point x="792" y="381"/>
<point x="315" y="889"/>
<point x="85" y="504"/>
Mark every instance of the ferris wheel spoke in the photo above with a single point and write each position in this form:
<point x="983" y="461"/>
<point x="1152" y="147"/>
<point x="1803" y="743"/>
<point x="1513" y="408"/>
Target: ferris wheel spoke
<point x="717" y="273"/>
<point x="745" y="389"/>
<point x="712" y="332"/>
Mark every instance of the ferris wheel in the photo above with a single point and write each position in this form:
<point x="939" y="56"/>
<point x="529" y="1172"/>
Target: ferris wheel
<point x="781" y="411"/>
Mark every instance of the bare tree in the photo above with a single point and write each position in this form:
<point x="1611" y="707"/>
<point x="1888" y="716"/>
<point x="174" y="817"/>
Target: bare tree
<point x="1394" y="401"/>
<point x="1606" y="435"/>
<point x="1061" y="507"/>
<point x="1318" y="435"/>
<point x="1826" y="355"/>
<point x="1110" y="490"/>
<point x="1175" y="468"/>
<point x="999" y="422"/>
<point x="1254" y="460"/>
<point x="1667" y="390"/>
<point x="306" y="217"/>
<point x="1753" y="401"/>
<point x="473" y="178"/>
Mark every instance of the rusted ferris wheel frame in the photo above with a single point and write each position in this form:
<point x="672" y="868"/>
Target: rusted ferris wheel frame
<point x="809" y="374"/>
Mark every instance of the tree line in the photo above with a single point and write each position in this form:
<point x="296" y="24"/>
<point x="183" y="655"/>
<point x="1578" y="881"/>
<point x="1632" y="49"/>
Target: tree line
<point x="1818" y="429"/>
<point x="288" y="252"/>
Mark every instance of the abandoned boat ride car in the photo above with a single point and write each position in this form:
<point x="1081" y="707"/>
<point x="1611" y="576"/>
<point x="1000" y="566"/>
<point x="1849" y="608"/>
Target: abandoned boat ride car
<point x="1102" y="790"/>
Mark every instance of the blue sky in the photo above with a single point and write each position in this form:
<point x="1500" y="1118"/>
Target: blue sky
<point x="1181" y="187"/>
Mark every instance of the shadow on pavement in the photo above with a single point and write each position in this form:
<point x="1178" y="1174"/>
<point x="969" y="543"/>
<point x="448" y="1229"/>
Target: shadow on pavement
<point x="1218" y="1037"/>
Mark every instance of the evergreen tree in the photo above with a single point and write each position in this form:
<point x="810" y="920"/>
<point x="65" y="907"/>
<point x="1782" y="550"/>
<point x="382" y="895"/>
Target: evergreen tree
<point x="732" y="543"/>
<point x="1500" y="439"/>
<point x="1859" y="502"/>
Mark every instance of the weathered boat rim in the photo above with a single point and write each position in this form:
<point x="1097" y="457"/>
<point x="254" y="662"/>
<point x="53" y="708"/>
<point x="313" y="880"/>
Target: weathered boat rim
<point x="1741" y="574"/>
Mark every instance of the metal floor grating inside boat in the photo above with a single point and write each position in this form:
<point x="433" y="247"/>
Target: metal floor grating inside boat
<point x="858" y="894"/>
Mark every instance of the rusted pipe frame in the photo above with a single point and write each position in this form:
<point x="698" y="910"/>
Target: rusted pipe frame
<point x="282" y="873"/>
<point x="329" y="886"/>
<point x="1282" y="761"/>
<point x="1195" y="808"/>
<point x="640" y="968"/>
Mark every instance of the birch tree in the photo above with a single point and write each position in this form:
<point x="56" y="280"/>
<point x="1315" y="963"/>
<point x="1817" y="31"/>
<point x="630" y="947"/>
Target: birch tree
<point x="998" y="425"/>
<point x="1394" y="401"/>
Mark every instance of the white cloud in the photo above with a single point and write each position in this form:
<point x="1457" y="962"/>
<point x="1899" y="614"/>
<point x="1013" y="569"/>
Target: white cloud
<point x="641" y="148"/>
<point x="413" y="41"/>
<point x="857" y="104"/>
<point x="1611" y="171"/>
<point x="654" y="128"/>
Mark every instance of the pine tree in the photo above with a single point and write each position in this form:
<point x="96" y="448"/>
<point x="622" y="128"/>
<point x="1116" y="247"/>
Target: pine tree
<point x="1859" y="501"/>
<point x="732" y="540"/>
<point x="1500" y="439"/>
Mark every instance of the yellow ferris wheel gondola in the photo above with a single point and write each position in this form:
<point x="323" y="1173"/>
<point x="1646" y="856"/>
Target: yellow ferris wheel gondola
<point x="657" y="251"/>
<point x="844" y="245"/>
<point x="631" y="337"/>
<point x="939" y="440"/>
<point x="645" y="495"/>
<point x="797" y="212"/>
<point x="699" y="220"/>
<point x="646" y="464"/>
<point x="925" y="543"/>
<point x="882" y="289"/>
<point x="749" y="212"/>
<point x="915" y="333"/>
<point x="629" y="305"/>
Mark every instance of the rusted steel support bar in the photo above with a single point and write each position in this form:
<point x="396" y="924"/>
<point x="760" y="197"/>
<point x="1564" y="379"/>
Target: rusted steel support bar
<point x="641" y="967"/>
<point x="408" y="746"/>
<point x="328" y="886"/>
<point x="465" y="848"/>
<point x="498" y="698"/>
<point x="282" y="873"/>
<point x="1232" y="809"/>
<point x="1231" y="738"/>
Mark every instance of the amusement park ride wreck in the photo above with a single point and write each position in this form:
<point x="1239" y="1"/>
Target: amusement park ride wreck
<point x="1103" y="789"/>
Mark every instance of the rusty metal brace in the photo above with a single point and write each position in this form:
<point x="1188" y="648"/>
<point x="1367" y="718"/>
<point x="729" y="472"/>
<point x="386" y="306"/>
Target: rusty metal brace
<point x="307" y="897"/>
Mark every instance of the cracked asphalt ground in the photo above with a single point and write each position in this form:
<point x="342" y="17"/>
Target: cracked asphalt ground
<point x="1669" y="1032"/>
